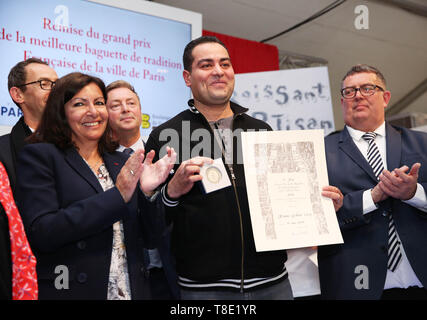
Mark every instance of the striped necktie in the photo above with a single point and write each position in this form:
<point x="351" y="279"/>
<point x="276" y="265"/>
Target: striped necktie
<point x="375" y="161"/>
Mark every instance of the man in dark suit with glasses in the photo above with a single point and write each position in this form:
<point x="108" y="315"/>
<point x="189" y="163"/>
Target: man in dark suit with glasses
<point x="382" y="172"/>
<point x="29" y="85"/>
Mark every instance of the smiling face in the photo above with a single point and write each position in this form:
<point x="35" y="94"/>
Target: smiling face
<point x="212" y="76"/>
<point x="124" y="111"/>
<point x="364" y="113"/>
<point x="87" y="115"/>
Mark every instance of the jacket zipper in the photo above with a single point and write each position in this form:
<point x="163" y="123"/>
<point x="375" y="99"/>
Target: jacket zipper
<point x="233" y="178"/>
<point x="233" y="181"/>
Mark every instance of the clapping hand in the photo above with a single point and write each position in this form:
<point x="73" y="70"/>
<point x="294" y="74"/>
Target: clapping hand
<point x="399" y="184"/>
<point x="129" y="175"/>
<point x="154" y="174"/>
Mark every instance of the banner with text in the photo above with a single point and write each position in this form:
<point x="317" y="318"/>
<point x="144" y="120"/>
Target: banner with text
<point x="108" y="42"/>
<point x="288" y="99"/>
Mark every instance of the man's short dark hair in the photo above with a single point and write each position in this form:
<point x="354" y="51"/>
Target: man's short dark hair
<point x="188" y="58"/>
<point x="18" y="75"/>
<point x="364" y="68"/>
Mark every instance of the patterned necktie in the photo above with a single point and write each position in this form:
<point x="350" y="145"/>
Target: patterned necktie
<point x="24" y="277"/>
<point x="128" y="151"/>
<point x="374" y="159"/>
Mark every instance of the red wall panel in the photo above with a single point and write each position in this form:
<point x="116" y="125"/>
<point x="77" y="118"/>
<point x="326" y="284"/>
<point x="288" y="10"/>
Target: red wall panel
<point x="249" y="56"/>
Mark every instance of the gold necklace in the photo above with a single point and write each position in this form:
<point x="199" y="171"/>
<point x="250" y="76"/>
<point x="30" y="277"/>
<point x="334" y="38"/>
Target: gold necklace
<point x="94" y="167"/>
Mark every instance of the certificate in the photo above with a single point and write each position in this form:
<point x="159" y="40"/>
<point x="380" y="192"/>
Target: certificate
<point x="285" y="172"/>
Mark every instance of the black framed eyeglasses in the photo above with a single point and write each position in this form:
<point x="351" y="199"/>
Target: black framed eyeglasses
<point x="366" y="90"/>
<point x="44" y="84"/>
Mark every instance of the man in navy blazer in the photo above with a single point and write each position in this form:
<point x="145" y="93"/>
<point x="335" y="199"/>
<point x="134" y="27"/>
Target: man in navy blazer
<point x="124" y="117"/>
<point x="357" y="269"/>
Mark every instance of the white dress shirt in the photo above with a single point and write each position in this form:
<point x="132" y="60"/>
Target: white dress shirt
<point x="404" y="276"/>
<point x="137" y="145"/>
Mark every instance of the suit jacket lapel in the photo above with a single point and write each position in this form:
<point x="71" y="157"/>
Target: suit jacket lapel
<point x="393" y="147"/>
<point x="346" y="144"/>
<point x="114" y="164"/>
<point x="74" y="159"/>
<point x="19" y="133"/>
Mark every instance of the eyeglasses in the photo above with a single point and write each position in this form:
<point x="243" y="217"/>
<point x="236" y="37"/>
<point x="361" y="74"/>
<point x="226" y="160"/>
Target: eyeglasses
<point x="44" y="84"/>
<point x="366" y="90"/>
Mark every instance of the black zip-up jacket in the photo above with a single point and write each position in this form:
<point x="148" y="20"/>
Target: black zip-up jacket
<point x="207" y="229"/>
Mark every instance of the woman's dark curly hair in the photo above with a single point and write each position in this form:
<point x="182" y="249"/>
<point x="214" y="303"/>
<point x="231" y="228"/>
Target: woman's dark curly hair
<point x="54" y="127"/>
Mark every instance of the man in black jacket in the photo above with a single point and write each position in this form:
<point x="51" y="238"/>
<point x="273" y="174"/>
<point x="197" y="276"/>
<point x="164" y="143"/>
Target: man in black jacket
<point x="29" y="84"/>
<point x="212" y="235"/>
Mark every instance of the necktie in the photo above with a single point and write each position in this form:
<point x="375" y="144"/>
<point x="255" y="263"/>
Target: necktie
<point x="24" y="282"/>
<point x="128" y="151"/>
<point x="374" y="159"/>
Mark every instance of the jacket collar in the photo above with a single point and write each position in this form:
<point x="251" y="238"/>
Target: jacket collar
<point x="112" y="161"/>
<point x="347" y="145"/>
<point x="393" y="149"/>
<point x="18" y="134"/>
<point x="237" y="109"/>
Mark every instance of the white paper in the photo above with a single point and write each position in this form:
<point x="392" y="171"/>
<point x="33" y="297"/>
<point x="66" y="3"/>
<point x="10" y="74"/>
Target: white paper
<point x="303" y="272"/>
<point x="285" y="172"/>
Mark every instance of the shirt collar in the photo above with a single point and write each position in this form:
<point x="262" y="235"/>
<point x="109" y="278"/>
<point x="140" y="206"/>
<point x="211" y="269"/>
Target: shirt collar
<point x="137" y="145"/>
<point x="357" y="134"/>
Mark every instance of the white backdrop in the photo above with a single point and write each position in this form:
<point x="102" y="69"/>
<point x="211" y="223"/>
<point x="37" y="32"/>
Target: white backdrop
<point x="288" y="99"/>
